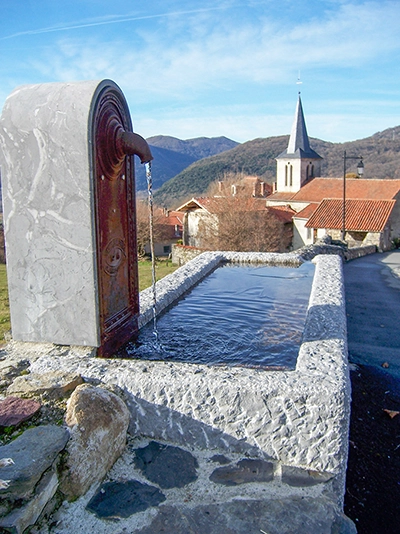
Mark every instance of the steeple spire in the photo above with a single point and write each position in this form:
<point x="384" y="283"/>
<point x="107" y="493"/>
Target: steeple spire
<point x="299" y="144"/>
<point x="298" y="137"/>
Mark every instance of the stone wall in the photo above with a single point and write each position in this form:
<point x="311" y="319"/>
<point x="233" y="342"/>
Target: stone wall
<point x="181" y="254"/>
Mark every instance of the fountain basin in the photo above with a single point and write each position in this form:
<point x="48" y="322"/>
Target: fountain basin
<point x="240" y="314"/>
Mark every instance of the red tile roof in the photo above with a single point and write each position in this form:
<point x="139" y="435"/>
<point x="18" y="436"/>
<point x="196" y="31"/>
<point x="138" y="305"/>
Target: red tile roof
<point x="320" y="188"/>
<point x="282" y="213"/>
<point x="281" y="195"/>
<point x="361" y="215"/>
<point x="306" y="212"/>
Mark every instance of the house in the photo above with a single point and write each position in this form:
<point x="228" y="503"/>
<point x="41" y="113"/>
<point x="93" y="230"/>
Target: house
<point x="371" y="214"/>
<point x="168" y="229"/>
<point x="237" y="223"/>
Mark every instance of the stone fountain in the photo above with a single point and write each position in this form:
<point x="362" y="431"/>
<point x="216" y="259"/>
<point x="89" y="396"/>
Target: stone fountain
<point x="69" y="204"/>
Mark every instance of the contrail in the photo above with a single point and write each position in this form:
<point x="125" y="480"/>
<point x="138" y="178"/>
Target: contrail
<point x="117" y="21"/>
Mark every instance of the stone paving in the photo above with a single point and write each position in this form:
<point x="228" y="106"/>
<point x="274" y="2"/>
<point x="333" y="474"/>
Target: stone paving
<point x="158" y="488"/>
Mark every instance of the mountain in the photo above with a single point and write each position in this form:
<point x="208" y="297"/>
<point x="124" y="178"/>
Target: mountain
<point x="381" y="156"/>
<point x="172" y="155"/>
<point x="166" y="165"/>
<point x="198" y="148"/>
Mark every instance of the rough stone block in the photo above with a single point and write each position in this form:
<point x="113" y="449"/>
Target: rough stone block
<point x="53" y="385"/>
<point x="98" y="420"/>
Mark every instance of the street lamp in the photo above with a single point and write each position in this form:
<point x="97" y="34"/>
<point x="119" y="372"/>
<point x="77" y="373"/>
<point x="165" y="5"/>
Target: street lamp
<point x="360" y="171"/>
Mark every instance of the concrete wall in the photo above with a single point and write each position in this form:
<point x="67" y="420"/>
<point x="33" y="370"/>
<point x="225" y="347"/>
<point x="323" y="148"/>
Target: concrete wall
<point x="300" y="233"/>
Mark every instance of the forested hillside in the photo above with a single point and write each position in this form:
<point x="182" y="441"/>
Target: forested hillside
<point x="172" y="155"/>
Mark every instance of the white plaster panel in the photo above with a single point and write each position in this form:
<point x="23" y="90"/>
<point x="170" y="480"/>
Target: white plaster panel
<point x="48" y="212"/>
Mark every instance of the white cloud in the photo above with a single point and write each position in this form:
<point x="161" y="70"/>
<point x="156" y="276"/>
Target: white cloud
<point x="166" y="64"/>
<point x="175" y="71"/>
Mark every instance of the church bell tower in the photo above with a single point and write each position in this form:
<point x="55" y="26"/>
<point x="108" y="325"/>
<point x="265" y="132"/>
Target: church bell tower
<point x="299" y="163"/>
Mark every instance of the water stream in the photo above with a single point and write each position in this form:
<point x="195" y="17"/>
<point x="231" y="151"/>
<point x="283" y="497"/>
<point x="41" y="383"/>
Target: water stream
<point x="153" y="257"/>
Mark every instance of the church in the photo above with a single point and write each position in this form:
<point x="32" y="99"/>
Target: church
<point x="371" y="215"/>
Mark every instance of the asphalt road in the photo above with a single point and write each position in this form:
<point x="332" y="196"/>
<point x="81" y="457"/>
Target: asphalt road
<point x="372" y="286"/>
<point x="373" y="319"/>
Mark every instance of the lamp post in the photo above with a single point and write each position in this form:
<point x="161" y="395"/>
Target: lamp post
<point x="360" y="171"/>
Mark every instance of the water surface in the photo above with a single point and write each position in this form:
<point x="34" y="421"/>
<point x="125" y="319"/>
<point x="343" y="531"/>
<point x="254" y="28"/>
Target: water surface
<point x="238" y="315"/>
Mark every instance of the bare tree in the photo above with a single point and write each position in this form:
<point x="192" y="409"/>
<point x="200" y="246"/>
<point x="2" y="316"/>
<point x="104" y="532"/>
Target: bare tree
<point x="244" y="224"/>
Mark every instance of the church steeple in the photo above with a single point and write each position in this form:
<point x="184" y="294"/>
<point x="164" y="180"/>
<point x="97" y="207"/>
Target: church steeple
<point x="298" y="137"/>
<point x="299" y="162"/>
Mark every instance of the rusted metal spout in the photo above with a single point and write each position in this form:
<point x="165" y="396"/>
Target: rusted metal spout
<point x="131" y="143"/>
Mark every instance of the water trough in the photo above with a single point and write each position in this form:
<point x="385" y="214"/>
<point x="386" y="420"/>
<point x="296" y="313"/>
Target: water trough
<point x="70" y="285"/>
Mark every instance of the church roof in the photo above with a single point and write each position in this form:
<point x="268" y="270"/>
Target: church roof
<point x="299" y="144"/>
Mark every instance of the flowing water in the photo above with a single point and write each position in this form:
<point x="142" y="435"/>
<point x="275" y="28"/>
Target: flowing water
<point x="238" y="315"/>
<point x="153" y="257"/>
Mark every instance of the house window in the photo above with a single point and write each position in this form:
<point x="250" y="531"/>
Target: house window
<point x="291" y="174"/>
<point x="167" y="249"/>
<point x="309" y="233"/>
<point x="286" y="174"/>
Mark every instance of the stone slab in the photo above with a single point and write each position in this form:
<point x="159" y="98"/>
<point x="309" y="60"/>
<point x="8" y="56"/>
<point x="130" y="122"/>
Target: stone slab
<point x="14" y="410"/>
<point x="33" y="453"/>
<point x="52" y="385"/>
<point x="286" y="516"/>
<point x="48" y="212"/>
<point x="165" y="465"/>
<point x="123" y="499"/>
<point x="22" y="518"/>
<point x="244" y="472"/>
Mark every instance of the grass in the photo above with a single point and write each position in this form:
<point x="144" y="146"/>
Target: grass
<point x="163" y="267"/>
<point x="4" y="304"/>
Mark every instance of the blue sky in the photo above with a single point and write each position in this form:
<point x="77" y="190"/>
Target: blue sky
<point x="192" y="68"/>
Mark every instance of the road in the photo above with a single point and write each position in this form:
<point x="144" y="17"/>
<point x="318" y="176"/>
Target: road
<point x="373" y="310"/>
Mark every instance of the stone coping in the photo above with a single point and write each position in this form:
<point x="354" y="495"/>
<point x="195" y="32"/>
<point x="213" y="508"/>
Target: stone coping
<point x="297" y="418"/>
